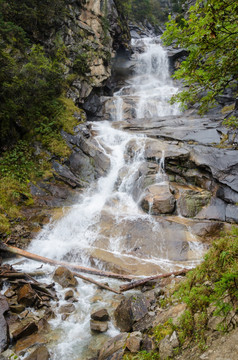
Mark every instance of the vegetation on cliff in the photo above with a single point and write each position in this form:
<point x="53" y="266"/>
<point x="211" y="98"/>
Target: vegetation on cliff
<point x="33" y="106"/>
<point x="209" y="32"/>
<point x="154" y="11"/>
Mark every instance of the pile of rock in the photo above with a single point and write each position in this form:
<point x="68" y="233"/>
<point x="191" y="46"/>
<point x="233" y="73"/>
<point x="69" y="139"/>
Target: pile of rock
<point x="134" y="316"/>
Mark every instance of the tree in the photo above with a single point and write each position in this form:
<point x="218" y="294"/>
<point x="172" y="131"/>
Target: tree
<point x="209" y="32"/>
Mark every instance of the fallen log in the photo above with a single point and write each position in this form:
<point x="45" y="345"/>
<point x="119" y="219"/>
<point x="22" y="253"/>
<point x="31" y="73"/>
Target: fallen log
<point x="95" y="282"/>
<point x="28" y="255"/>
<point x="25" y="278"/>
<point x="137" y="283"/>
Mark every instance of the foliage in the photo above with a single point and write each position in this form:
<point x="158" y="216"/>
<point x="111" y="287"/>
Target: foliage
<point x="18" y="163"/>
<point x="214" y="283"/>
<point x="232" y="122"/>
<point x="34" y="16"/>
<point x="209" y="32"/>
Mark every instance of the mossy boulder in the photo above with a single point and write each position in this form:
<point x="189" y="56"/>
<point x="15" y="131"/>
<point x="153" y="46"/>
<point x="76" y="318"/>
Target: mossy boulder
<point x="191" y="202"/>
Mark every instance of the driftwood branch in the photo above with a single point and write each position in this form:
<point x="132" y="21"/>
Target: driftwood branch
<point x="137" y="283"/>
<point x="28" y="255"/>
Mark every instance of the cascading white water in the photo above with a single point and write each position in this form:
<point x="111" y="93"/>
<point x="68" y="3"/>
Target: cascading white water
<point x="81" y="234"/>
<point x="151" y="83"/>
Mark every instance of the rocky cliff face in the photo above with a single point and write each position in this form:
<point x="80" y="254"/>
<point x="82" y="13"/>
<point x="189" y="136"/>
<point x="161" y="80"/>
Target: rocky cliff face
<point x="89" y="33"/>
<point x="92" y="31"/>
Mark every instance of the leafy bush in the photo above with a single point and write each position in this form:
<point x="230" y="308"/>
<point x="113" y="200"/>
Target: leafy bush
<point x="209" y="32"/>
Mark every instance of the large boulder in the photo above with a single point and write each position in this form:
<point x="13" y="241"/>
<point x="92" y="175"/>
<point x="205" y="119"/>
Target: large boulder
<point x="158" y="200"/>
<point x="130" y="311"/>
<point x="64" y="277"/>
<point x="4" y="332"/>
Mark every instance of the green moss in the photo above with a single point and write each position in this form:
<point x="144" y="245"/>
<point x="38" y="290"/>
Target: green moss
<point x="4" y="224"/>
<point x="162" y="330"/>
<point x="67" y="119"/>
<point x="13" y="195"/>
<point x="228" y="108"/>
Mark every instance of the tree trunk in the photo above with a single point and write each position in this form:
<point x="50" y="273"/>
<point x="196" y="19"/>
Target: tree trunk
<point x="28" y="255"/>
<point x="134" y="284"/>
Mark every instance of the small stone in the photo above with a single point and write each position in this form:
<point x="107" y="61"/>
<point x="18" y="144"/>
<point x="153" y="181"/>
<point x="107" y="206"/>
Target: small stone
<point x="39" y="354"/>
<point x="64" y="316"/>
<point x="99" y="326"/>
<point x="26" y="295"/>
<point x="214" y="322"/>
<point x="66" y="309"/>
<point x="133" y="342"/>
<point x="96" y="298"/>
<point x="174" y="340"/>
<point x="72" y="300"/>
<point x="9" y="293"/>
<point x="148" y="344"/>
<point x="64" y="277"/>
<point x="17" y="308"/>
<point x="24" y="314"/>
<point x="100" y="315"/>
<point x="165" y="348"/>
<point x="28" y="342"/>
<point x="69" y="294"/>
<point x="24" y="330"/>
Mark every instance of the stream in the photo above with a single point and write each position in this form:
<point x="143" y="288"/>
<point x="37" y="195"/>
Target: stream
<point x="107" y="227"/>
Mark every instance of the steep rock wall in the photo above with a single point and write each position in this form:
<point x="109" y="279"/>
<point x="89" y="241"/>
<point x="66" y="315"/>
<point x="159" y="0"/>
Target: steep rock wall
<point x="92" y="31"/>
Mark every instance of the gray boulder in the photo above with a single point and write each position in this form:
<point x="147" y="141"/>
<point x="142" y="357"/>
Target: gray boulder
<point x="158" y="200"/>
<point x="130" y="311"/>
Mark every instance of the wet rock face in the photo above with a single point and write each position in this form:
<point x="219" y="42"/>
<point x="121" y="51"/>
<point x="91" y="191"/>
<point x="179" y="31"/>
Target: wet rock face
<point x="192" y="156"/>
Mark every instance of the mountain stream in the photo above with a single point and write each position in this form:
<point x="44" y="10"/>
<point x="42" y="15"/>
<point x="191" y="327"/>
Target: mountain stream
<point x="107" y="228"/>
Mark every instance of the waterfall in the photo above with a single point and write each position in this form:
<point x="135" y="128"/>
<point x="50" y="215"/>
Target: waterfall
<point x="107" y="223"/>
